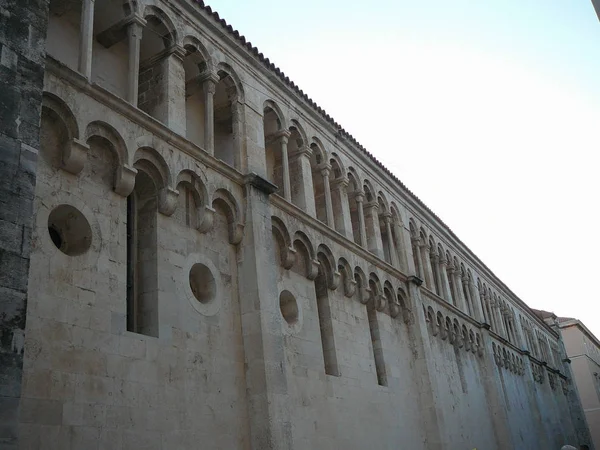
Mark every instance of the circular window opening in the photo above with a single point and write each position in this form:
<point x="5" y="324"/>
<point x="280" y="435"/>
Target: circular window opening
<point x="289" y="307"/>
<point x="202" y="283"/>
<point x="69" y="230"/>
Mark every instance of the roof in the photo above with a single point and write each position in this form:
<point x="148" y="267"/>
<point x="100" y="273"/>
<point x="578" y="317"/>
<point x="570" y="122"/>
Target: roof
<point x="340" y="130"/>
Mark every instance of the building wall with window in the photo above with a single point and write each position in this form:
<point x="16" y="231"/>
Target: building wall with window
<point x="215" y="260"/>
<point x="583" y="349"/>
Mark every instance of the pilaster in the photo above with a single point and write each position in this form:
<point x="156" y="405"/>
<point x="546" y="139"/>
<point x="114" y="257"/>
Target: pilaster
<point x="87" y="38"/>
<point x="303" y="186"/>
<point x="341" y="207"/>
<point x="374" y="243"/>
<point x="266" y="382"/>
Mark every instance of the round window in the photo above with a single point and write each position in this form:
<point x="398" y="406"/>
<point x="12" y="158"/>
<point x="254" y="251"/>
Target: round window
<point x="289" y="307"/>
<point x="69" y="230"/>
<point x="203" y="283"/>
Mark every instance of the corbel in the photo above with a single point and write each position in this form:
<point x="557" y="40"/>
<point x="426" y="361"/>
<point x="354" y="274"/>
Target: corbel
<point x="206" y="216"/>
<point x="236" y="233"/>
<point x="125" y="180"/>
<point x="74" y="156"/>
<point x="364" y="295"/>
<point x="334" y="281"/>
<point x="349" y="286"/>
<point x="289" y="257"/>
<point x="313" y="269"/>
<point x="167" y="200"/>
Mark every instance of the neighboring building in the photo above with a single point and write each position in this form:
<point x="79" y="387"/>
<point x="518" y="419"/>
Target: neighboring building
<point x="206" y="259"/>
<point x="583" y="349"/>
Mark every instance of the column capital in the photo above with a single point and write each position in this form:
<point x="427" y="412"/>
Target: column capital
<point x="325" y="169"/>
<point x="372" y="205"/>
<point x="282" y="135"/>
<point x="260" y="183"/>
<point x="176" y="50"/>
<point x="134" y="19"/>
<point x="359" y="196"/>
<point x="340" y="183"/>
<point x="387" y="217"/>
<point x="303" y="151"/>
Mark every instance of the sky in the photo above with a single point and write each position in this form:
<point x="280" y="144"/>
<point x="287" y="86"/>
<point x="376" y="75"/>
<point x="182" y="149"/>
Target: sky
<point x="487" y="110"/>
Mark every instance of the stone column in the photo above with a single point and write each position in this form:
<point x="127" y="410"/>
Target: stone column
<point x="402" y="248"/>
<point x="134" y="37"/>
<point x="303" y="185"/>
<point x="428" y="258"/>
<point x="237" y="119"/>
<point x="416" y="246"/>
<point x="285" y="165"/>
<point x="341" y="209"/>
<point x="445" y="286"/>
<point x="173" y="88"/>
<point x="458" y="292"/>
<point x="360" y="198"/>
<point x="373" y="231"/>
<point x="209" y="86"/>
<point x="263" y="342"/>
<point x="387" y="218"/>
<point x="325" y="171"/>
<point x="87" y="38"/>
<point x="476" y="302"/>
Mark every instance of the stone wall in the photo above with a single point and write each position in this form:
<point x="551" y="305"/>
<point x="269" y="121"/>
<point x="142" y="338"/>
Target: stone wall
<point x="22" y="34"/>
<point x="177" y="296"/>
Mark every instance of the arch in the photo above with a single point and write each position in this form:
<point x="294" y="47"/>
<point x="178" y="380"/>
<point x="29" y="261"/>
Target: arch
<point x="439" y="320"/>
<point x="200" y="216"/>
<point x="193" y="179"/>
<point x="103" y="130"/>
<point x="376" y="291"/>
<point x="345" y="271"/>
<point x="412" y="227"/>
<point x="337" y="167"/>
<point x="283" y="241"/>
<point x="431" y="318"/>
<point x="369" y="191"/>
<point x="231" y="79"/>
<point x="151" y="162"/>
<point x="303" y="244"/>
<point x="271" y="105"/>
<point x="297" y="129"/>
<point x="449" y="329"/>
<point x="328" y="265"/>
<point x="159" y="16"/>
<point x="362" y="284"/>
<point x="225" y="200"/>
<point x="465" y="338"/>
<point x="61" y="111"/>
<point x="353" y="178"/>
<point x="319" y="155"/>
<point x="384" y="206"/>
<point x="192" y="42"/>
<point x="456" y="332"/>
<point x="472" y="345"/>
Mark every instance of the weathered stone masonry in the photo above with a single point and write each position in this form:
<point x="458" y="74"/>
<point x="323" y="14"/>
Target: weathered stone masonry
<point x="216" y="263"/>
<point x="22" y="56"/>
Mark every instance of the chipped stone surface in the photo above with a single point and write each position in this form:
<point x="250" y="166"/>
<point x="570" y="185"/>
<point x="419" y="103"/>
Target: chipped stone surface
<point x="208" y="261"/>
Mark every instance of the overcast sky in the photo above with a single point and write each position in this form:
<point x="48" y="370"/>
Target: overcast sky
<point x="488" y="111"/>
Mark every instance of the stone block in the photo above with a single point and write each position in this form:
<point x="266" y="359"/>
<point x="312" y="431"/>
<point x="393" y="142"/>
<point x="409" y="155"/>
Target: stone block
<point x="41" y="412"/>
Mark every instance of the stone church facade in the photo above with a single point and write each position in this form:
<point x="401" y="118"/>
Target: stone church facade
<point x="195" y="255"/>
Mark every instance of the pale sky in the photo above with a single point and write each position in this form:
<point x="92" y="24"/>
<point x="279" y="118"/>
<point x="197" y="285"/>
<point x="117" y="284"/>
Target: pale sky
<point x="487" y="110"/>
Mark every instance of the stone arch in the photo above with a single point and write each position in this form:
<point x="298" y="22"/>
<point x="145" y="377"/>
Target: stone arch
<point x="319" y="154"/>
<point x="369" y="191"/>
<point x="152" y="162"/>
<point x="328" y="265"/>
<point x="162" y="23"/>
<point x="345" y="271"/>
<point x="456" y="332"/>
<point x="384" y="206"/>
<point x="376" y="292"/>
<point x="305" y="254"/>
<point x="439" y="320"/>
<point x="364" y="291"/>
<point x="190" y="42"/>
<point x="432" y="322"/>
<point x="298" y="135"/>
<point x="229" y="76"/>
<point x="226" y="201"/>
<point x="273" y="106"/>
<point x="337" y="166"/>
<point x="123" y="175"/>
<point x="465" y="338"/>
<point x="59" y="136"/>
<point x="197" y="211"/>
<point x="103" y="130"/>
<point x="283" y="243"/>
<point x="62" y="111"/>
<point x="472" y="341"/>
<point x="353" y="189"/>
